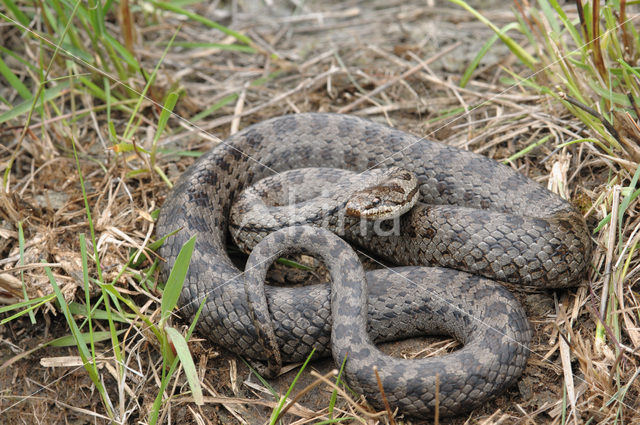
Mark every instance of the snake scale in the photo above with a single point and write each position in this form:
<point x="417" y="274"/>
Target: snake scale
<point x="481" y="218"/>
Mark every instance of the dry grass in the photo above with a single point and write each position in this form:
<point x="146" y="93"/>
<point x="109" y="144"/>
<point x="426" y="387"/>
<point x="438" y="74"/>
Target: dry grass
<point x="393" y="61"/>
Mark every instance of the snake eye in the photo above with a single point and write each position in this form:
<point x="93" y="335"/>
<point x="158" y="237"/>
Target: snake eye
<point x="376" y="201"/>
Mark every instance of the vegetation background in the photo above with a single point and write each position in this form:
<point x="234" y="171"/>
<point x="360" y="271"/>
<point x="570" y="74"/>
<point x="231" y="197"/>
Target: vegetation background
<point x="104" y="104"/>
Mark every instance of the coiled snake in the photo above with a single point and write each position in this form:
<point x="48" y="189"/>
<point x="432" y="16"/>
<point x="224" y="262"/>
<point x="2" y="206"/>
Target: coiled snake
<point x="476" y="216"/>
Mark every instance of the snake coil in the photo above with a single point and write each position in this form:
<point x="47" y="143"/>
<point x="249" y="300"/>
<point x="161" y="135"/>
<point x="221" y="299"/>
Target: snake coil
<point x="478" y="217"/>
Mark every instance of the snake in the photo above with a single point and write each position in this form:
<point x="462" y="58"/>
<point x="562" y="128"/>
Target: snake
<point x="476" y="223"/>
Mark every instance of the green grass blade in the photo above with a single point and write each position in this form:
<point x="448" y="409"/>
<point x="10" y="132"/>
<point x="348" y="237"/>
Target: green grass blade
<point x="263" y="381"/>
<point x="182" y="350"/>
<point x="87" y="211"/>
<point x="283" y="400"/>
<point x="69" y="340"/>
<point x="14" y="81"/>
<point x="167" y="109"/>
<point x="526" y="150"/>
<point x="112" y="291"/>
<point x="483" y="51"/>
<point x="78" y="309"/>
<point x="157" y="403"/>
<point x="196" y="316"/>
<point x="17" y="13"/>
<point x="18" y="58"/>
<point x="96" y="16"/>
<point x="24" y="107"/>
<point x="294" y="264"/>
<point x="572" y="27"/>
<point x="229" y="47"/>
<point x="211" y="109"/>
<point x="232" y="97"/>
<point x="528" y="60"/>
<point x="607" y="93"/>
<point x="634" y="70"/>
<point x="64" y="307"/>
<point x="334" y="393"/>
<point x="31" y="303"/>
<point x="175" y="281"/>
<point x="129" y="130"/>
<point x="195" y="17"/>
<point x="165" y="113"/>
<point x="124" y="53"/>
<point x="31" y="306"/>
<point x="153" y="246"/>
<point x="550" y="15"/>
<point x="79" y="338"/>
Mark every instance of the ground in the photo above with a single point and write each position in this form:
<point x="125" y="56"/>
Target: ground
<point x="398" y="62"/>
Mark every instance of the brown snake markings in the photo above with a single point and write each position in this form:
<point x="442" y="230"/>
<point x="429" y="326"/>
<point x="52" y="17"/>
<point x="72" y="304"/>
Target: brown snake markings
<point x="477" y="216"/>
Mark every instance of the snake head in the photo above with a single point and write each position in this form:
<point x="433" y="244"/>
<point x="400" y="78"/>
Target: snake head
<point x="393" y="194"/>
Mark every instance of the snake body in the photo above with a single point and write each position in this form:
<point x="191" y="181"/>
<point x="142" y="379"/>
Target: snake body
<point x="476" y="216"/>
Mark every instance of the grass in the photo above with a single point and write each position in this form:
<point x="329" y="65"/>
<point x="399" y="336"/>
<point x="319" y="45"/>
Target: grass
<point x="583" y="63"/>
<point x="72" y="25"/>
<point x="102" y="105"/>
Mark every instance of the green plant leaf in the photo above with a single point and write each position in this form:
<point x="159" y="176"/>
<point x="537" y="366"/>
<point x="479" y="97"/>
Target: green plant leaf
<point x="515" y="48"/>
<point x="194" y="16"/>
<point x="14" y="81"/>
<point x="15" y="10"/>
<point x="230" y="47"/>
<point x="24" y="107"/>
<point x="182" y="350"/>
<point x="176" y="279"/>
<point x="69" y="340"/>
<point x="96" y="314"/>
<point x="483" y="51"/>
